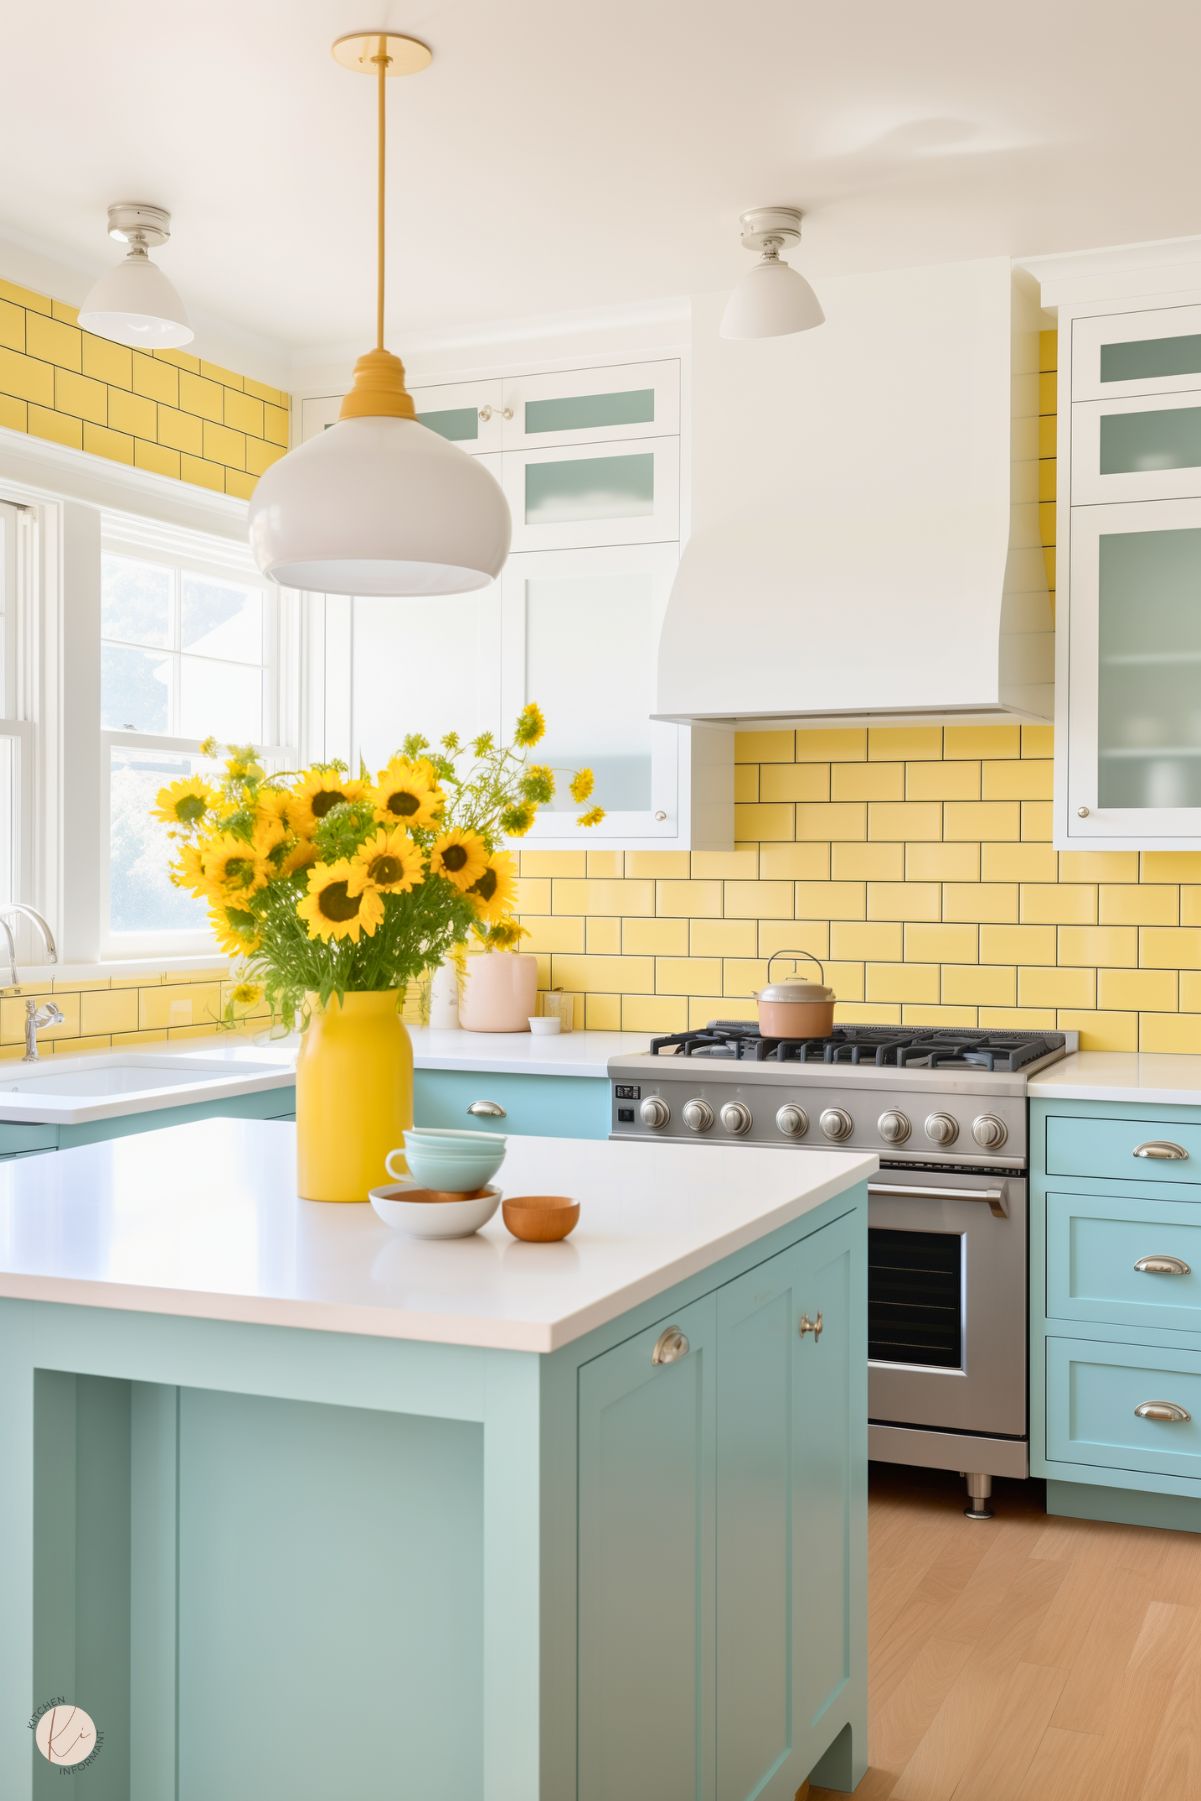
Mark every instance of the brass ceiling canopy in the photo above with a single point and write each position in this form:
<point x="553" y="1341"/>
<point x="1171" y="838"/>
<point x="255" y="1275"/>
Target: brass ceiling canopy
<point x="359" y="49"/>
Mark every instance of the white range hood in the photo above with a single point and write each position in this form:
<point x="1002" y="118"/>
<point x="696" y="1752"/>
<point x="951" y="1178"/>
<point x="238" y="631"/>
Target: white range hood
<point x="865" y="537"/>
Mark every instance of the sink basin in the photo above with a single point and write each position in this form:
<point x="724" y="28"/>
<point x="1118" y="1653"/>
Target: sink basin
<point x="70" y="1090"/>
<point x="129" y="1075"/>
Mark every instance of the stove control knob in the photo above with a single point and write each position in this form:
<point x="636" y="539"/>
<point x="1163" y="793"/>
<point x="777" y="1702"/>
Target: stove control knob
<point x="989" y="1132"/>
<point x="655" y="1111"/>
<point x="792" y="1121"/>
<point x="736" y="1118"/>
<point x="942" y="1129"/>
<point x="698" y="1115"/>
<point x="837" y="1124"/>
<point x="894" y="1128"/>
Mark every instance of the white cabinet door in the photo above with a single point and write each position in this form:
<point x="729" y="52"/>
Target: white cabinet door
<point x="1142" y="448"/>
<point x="592" y="406"/>
<point x="580" y="635"/>
<point x="586" y="495"/>
<point x="468" y="413"/>
<point x="1133" y="771"/>
<point x="1152" y="352"/>
<point x="317" y="413"/>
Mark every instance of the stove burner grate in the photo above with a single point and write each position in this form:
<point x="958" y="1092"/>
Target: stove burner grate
<point x="878" y="1047"/>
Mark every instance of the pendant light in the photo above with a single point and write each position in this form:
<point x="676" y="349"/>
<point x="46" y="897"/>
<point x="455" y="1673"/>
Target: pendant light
<point x="771" y="300"/>
<point x="135" y="303"/>
<point x="379" y="504"/>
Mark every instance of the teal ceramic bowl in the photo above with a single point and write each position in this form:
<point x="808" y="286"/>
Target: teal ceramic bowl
<point x="457" y="1162"/>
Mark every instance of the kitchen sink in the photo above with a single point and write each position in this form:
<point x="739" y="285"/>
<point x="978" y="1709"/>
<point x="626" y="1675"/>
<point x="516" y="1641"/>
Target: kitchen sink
<point x="66" y="1090"/>
<point x="128" y="1075"/>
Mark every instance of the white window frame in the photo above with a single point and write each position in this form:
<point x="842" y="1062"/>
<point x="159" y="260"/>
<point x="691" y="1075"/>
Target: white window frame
<point x="18" y="678"/>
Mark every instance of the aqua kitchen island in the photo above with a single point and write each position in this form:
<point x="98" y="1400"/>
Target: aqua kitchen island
<point x="295" y="1507"/>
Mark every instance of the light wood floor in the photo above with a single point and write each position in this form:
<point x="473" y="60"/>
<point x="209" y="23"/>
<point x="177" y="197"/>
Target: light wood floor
<point x="1027" y="1659"/>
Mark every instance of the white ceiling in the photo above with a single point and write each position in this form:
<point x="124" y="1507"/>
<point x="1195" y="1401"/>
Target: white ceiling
<point x="565" y="158"/>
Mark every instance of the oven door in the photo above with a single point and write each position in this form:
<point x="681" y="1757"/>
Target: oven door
<point x="947" y="1300"/>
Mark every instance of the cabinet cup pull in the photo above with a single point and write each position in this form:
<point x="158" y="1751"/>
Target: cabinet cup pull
<point x="1161" y="1150"/>
<point x="487" y="1110"/>
<point x="811" y="1325"/>
<point x="1169" y="1411"/>
<point x="1163" y="1266"/>
<point x="670" y="1346"/>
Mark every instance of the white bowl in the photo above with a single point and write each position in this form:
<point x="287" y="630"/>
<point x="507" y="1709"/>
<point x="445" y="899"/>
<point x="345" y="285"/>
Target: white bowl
<point x="432" y="1219"/>
<point x="547" y="1026"/>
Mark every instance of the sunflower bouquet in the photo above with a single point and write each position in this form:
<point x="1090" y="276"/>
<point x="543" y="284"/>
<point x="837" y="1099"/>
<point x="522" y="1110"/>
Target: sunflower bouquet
<point x="326" y="883"/>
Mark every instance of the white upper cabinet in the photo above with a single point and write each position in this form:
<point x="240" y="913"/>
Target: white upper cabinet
<point x="468" y="413"/>
<point x="592" y="406"/>
<point x="1156" y="351"/>
<point x="1145" y="447"/>
<point x="581" y="495"/>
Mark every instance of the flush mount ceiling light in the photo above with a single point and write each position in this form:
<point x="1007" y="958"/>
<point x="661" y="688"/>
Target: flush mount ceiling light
<point x="379" y="504"/>
<point x="771" y="300"/>
<point x="135" y="303"/>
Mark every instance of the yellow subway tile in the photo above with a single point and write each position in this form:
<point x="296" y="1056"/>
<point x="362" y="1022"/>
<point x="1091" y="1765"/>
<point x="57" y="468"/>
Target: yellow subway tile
<point x="1047" y="485"/>
<point x="156" y="459"/>
<point x="1190" y="905"/>
<point x="602" y="1012"/>
<point x="994" y="903"/>
<point x="758" y="900"/>
<point x="838" y="744"/>
<point x="846" y="979"/>
<point x="1049" y="566"/>
<point x="121" y="1039"/>
<point x="865" y="781"/>
<point x="830" y="900"/>
<point x="607" y="975"/>
<point x="790" y="935"/>
<point x="101" y="442"/>
<point x="180" y="359"/>
<point x="12" y="1017"/>
<point x="179" y="431"/>
<point x="1140" y="990"/>
<point x="553" y="862"/>
<point x="179" y="1004"/>
<point x="534" y="895"/>
<point x="764" y="747"/>
<point x="201" y="396"/>
<point x="1038" y="740"/>
<point x="1019" y="944"/>
<point x="683" y="900"/>
<point x="868" y="862"/>
<point x="603" y="937"/>
<point x="688" y="975"/>
<point x="979" y="741"/>
<point x="982" y="819"/>
<point x="245" y="414"/>
<point x="902" y="982"/>
<point x="1046" y="435"/>
<point x="25" y="378"/>
<point x="905" y="820"/>
<point x="904" y="900"/>
<point x="1111" y="945"/>
<point x="203" y="474"/>
<point x="654" y="937"/>
<point x="703" y="1008"/>
<point x="226" y="377"/>
<point x="54" y="342"/>
<point x="14" y="414"/>
<point x="985" y="986"/>
<point x="548" y="934"/>
<point x="26" y="297"/>
<point x="851" y="943"/>
<point x="59" y="427"/>
<point x="1024" y="778"/>
<point x="1100" y="1031"/>
<point x="1179" y="1032"/>
<point x="80" y="395"/>
<point x="757" y="821"/>
<point x="654" y="1013"/>
<point x="1018" y="1019"/>
<point x="263" y="392"/>
<point x="1046" y="522"/>
<point x="795" y="781"/>
<point x="714" y="937"/>
<point x="149" y="377"/>
<point x="912" y="1015"/>
<point x="1189" y="999"/>
<point x="866" y="1013"/>
<point x="1019" y="863"/>
<point x="1098" y="866"/>
<point x="12" y="326"/>
<point x="1170" y="866"/>
<point x="608" y="863"/>
<point x="239" y="485"/>
<point x="221" y="445"/>
<point x="73" y="1047"/>
<point x="841" y="819"/>
<point x="794" y="862"/>
<point x="659" y="864"/>
<point x="1057" y="987"/>
<point x="746" y="781"/>
<point x="745" y="976"/>
<point x="633" y="898"/>
<point x="275" y="424"/>
<point x="904" y="743"/>
<point x="1048" y="345"/>
<point x="942" y="781"/>
<point x="1046" y="392"/>
<point x="133" y="413"/>
<point x="110" y="363"/>
<point x="739" y="865"/>
<point x="110" y="1010"/>
<point x="1058" y="903"/>
<point x="1164" y="947"/>
<point x="1145" y="904"/>
<point x="942" y="943"/>
<point x="260" y="456"/>
<point x="942" y="862"/>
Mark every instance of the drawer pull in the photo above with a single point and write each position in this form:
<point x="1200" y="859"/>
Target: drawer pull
<point x="816" y="1326"/>
<point x="670" y="1346"/>
<point x="486" y="1110"/>
<point x="1163" y="1266"/>
<point x="1161" y="1150"/>
<point x="1169" y="1411"/>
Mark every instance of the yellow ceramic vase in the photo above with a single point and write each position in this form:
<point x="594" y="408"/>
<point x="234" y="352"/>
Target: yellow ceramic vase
<point x="354" y="1095"/>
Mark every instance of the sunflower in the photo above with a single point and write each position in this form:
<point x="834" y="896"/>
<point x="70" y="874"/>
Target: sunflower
<point x="301" y="855"/>
<point x="460" y="856"/>
<point x="332" y="911"/>
<point x="496" y="890"/>
<point x="593" y="816"/>
<point x="538" y="783"/>
<point x="582" y="784"/>
<point x="243" y="764"/>
<point x="269" y="835"/>
<point x="389" y="860"/>
<point x="516" y="821"/>
<point x="246" y="994"/>
<point x="188" y="869"/>
<point x="320" y="791"/>
<point x="184" y="803"/>
<point x="531" y="726"/>
<point x="274" y="803"/>
<point x="235" y="929"/>
<point x="208" y="747"/>
<point x="231" y="866"/>
<point x="505" y="935"/>
<point x="408" y="794"/>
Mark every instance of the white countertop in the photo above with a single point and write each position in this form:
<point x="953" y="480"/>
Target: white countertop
<point x="203" y="1220"/>
<point x="521" y="1054"/>
<point x="1158" y="1078"/>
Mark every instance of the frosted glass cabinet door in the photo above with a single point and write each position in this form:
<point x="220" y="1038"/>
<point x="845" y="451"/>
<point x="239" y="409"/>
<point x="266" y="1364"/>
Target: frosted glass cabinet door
<point x="592" y="406"/>
<point x="621" y="493"/>
<point x="468" y="413"/>
<point x="1134" y="751"/>
<point x="1153" y="352"/>
<point x="1142" y="448"/>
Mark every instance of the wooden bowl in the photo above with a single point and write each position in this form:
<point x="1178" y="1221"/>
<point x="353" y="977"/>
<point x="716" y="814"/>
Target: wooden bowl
<point x="540" y="1218"/>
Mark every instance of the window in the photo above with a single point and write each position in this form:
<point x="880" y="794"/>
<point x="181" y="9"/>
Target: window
<point x="189" y="649"/>
<point x="16" y="733"/>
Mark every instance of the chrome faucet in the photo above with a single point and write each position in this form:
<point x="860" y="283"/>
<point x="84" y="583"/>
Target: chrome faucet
<point x="10" y="909"/>
<point x="35" y="1018"/>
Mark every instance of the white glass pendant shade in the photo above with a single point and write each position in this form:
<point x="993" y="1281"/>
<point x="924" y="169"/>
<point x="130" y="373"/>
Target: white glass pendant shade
<point x="771" y="301"/>
<point x="135" y="304"/>
<point x="379" y="505"/>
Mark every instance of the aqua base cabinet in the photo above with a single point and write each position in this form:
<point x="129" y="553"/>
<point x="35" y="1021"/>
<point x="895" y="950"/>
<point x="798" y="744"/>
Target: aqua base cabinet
<point x="25" y="1141"/>
<point x="1115" y="1311"/>
<point x="279" y="1562"/>
<point x="544" y="1106"/>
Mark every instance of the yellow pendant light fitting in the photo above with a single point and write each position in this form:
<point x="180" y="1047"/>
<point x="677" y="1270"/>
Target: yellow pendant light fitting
<point x="379" y="390"/>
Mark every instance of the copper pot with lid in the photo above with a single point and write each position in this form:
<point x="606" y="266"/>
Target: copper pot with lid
<point x="796" y="1007"/>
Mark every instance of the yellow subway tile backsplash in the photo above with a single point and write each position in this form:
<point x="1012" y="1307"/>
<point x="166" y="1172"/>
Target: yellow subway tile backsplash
<point x="715" y="937"/>
<point x="980" y="741"/>
<point x="221" y="445"/>
<point x="1100" y="1031"/>
<point x="14" y="414"/>
<point x="156" y="459"/>
<point x="1021" y="778"/>
<point x="133" y="413"/>
<point x="25" y="378"/>
<point x="631" y="898"/>
<point x="203" y="474"/>
<point x="942" y="862"/>
<point x="904" y="743"/>
<point x="1057" y="987"/>
<point x="796" y="862"/>
<point x="1019" y="863"/>
<point x="902" y="982"/>
<point x="758" y="900"/>
<point x="609" y="863"/>
<point x="12" y="325"/>
<point x="830" y="900"/>
<point x="904" y="900"/>
<point x="854" y="943"/>
<point x="862" y="781"/>
<point x="867" y="862"/>
<point x="664" y="864"/>
<point x="942" y="943"/>
<point x="1166" y="947"/>
<point x="108" y="362"/>
<point x="1145" y="904"/>
<point x="54" y="342"/>
<point x="603" y="937"/>
<point x="940" y="781"/>
<point x="99" y="441"/>
<point x="841" y="819"/>
<point x="981" y="820"/>
<point x="838" y="744"/>
<point x="795" y="781"/>
<point x="1083" y="945"/>
<point x="1058" y="903"/>
<point x="664" y="937"/>
<point x="1017" y="944"/>
<point x="1173" y="1032"/>
<point x="741" y="865"/>
<point x="657" y="1013"/>
<point x="905" y="821"/>
<point x="1140" y="990"/>
<point x="746" y="781"/>
<point x="60" y="428"/>
<point x="1170" y="865"/>
<point x="685" y="900"/>
<point x="981" y="986"/>
<point x="80" y="395"/>
<point x="688" y="975"/>
<point x="764" y="747"/>
<point x="111" y="1010"/>
<point x="200" y="396"/>
<point x="993" y="902"/>
<point x="754" y="819"/>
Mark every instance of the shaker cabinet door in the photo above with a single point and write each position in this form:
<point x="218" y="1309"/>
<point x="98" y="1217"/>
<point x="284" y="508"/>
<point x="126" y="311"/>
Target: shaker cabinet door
<point x="1157" y="351"/>
<point x="592" y="406"/>
<point x="578" y="495"/>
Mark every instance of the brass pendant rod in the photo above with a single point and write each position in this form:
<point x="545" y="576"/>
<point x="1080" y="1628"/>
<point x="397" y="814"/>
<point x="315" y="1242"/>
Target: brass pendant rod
<point x="381" y="60"/>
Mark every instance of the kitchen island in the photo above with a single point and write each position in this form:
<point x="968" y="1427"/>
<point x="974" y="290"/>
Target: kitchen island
<point x="295" y="1506"/>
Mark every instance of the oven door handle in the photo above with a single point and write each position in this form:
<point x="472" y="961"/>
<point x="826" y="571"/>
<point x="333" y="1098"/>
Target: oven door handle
<point x="994" y="1198"/>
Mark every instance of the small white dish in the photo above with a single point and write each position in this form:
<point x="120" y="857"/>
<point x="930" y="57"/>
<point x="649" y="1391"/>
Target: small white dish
<point x="432" y="1219"/>
<point x="546" y="1025"/>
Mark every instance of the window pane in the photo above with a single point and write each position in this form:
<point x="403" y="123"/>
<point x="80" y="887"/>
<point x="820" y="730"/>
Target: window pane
<point x="621" y="487"/>
<point x="135" y="690"/>
<point x="220" y="619"/>
<point x="141" y="895"/>
<point x="221" y="699"/>
<point x="461" y="424"/>
<point x="135" y="601"/>
<point x="8" y="825"/>
<point x="578" y="412"/>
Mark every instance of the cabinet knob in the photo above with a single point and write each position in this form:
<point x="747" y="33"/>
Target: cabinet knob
<point x="670" y="1346"/>
<point x="660" y="816"/>
<point x="1082" y="812"/>
<point x="1161" y="1150"/>
<point x="487" y="1110"/>
<point x="486" y="412"/>
<point x="1169" y="1411"/>
<point x="811" y="1325"/>
<point x="1163" y="1266"/>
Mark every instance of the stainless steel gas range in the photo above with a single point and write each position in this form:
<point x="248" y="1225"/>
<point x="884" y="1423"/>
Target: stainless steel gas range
<point x="945" y="1111"/>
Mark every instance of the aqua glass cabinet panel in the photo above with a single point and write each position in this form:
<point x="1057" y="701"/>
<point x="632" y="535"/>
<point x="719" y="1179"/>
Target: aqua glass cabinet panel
<point x="1154" y="351"/>
<point x="582" y="495"/>
<point x="609" y="487"/>
<point x="592" y="406"/>
<point x="1147" y="448"/>
<point x="1169" y="438"/>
